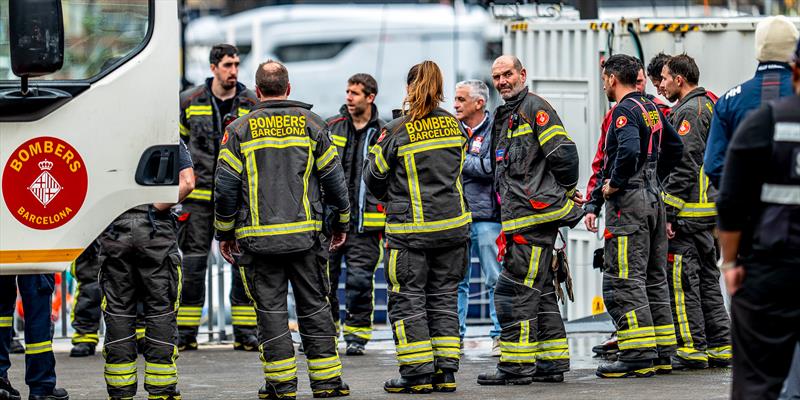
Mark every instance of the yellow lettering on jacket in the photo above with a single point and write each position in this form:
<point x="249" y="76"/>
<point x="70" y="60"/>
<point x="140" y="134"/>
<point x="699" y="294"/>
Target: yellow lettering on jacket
<point x="278" y="125"/>
<point x="432" y="128"/>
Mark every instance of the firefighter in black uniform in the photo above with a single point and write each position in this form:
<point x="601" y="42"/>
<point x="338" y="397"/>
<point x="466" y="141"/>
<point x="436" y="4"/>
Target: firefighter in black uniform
<point x="274" y="165"/>
<point x="142" y="264"/>
<point x="641" y="149"/>
<point x="759" y="222"/>
<point x="86" y="312"/>
<point x="205" y="110"/>
<point x="536" y="174"/>
<point x="416" y="169"/>
<point x="354" y="131"/>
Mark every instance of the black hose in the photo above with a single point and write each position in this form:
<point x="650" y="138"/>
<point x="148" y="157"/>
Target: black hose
<point x="636" y="40"/>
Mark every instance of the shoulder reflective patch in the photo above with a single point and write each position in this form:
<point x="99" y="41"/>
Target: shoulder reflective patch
<point x="621" y="121"/>
<point x="542" y="118"/>
<point x="787" y="132"/>
<point x="224" y="138"/>
<point x="684" y="128"/>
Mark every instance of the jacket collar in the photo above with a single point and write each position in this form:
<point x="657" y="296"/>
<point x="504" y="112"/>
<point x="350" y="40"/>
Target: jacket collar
<point x="517" y="99"/>
<point x="696" y="92"/>
<point x="772" y="66"/>
<point x="482" y="125"/>
<point x="282" y="104"/>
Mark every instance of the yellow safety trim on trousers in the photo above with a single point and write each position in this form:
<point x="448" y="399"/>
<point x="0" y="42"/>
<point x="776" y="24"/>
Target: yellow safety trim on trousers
<point x="197" y="110"/>
<point x="522" y="352"/>
<point x="358" y="331"/>
<point x="306" y="175"/>
<point x="120" y="380"/>
<point x="160" y="369"/>
<point x="625" y="334"/>
<point x="79" y="337"/>
<point x="200" y="194"/>
<point x="324" y="368"/>
<point x="224" y="226"/>
<point x="413" y="190"/>
<point x="446" y="346"/>
<point x="281" y="370"/>
<point x="431" y="226"/>
<point x="179" y="270"/>
<point x="689" y="353"/>
<point x="414" y="347"/>
<point x="380" y="162"/>
<point x="376" y="219"/>
<point x="538" y="219"/>
<point x="230" y="159"/>
<point x="673" y="201"/>
<point x="640" y="343"/>
<point x="183" y="130"/>
<point x="163" y="397"/>
<point x="120" y="375"/>
<point x="698" y="210"/>
<point x="720" y="353"/>
<point x="243" y="316"/>
<point x="400" y="332"/>
<point x="6" y="322"/>
<point x="278" y="229"/>
<point x="246" y="287"/>
<point x="522" y="129"/>
<point x="554" y="349"/>
<point x="326" y="157"/>
<point x="139" y="333"/>
<point x="392" y="271"/>
<point x="432" y="144"/>
<point x="415" y="352"/>
<point x="252" y="187"/>
<point x="344" y="218"/>
<point x="160" y="380"/>
<point x="38" y="348"/>
<point x="622" y="256"/>
<point x="550" y="133"/>
<point x="243" y="111"/>
<point x="633" y="322"/>
<point x="665" y="335"/>
<point x="125" y="368"/>
<point x="533" y="266"/>
<point x="189" y="315"/>
<point x="339" y="141"/>
<point x="275" y="143"/>
<point x="680" y="302"/>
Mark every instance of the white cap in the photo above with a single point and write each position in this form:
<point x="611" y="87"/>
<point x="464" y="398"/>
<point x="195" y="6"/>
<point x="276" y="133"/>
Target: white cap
<point x="776" y="38"/>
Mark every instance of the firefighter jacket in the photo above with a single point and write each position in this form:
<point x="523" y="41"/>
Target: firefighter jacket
<point x="687" y="193"/>
<point x="201" y="127"/>
<point x="536" y="165"/>
<point x="416" y="169"/>
<point x="273" y="167"/>
<point x="353" y="147"/>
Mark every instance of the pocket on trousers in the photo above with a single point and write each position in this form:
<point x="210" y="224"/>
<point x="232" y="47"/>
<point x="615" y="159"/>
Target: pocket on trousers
<point x="618" y="249"/>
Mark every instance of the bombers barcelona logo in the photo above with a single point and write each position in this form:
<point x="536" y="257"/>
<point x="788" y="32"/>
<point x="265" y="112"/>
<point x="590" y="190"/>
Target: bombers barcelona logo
<point x="542" y="118"/>
<point x="44" y="183"/>
<point x="684" y="128"/>
<point x="621" y="121"/>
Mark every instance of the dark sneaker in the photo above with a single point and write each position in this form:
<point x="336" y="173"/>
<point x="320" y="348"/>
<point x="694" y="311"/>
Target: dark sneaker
<point x="355" y="349"/>
<point x="7" y="391"/>
<point x="444" y="381"/>
<point x="662" y="365"/>
<point x="607" y="348"/>
<point x="341" y="391"/>
<point x="82" y="350"/>
<point x="626" y="369"/>
<point x="187" y="343"/>
<point x="268" y="392"/>
<point x="246" y="343"/>
<point x="56" y="394"/>
<point x="412" y="384"/>
<point x="681" y="364"/>
<point x="503" y="378"/>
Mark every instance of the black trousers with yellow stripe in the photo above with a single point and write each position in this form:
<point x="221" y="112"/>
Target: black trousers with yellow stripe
<point x="266" y="279"/>
<point x="635" y="287"/>
<point x="141" y="263"/>
<point x="532" y="331"/>
<point x="197" y="233"/>
<point x="86" y="313"/>
<point x="702" y="324"/>
<point x="423" y="306"/>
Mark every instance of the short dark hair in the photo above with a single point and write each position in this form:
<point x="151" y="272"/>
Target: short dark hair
<point x="685" y="66"/>
<point x="657" y="64"/>
<point x="624" y="67"/>
<point x="365" y="80"/>
<point x="219" y="51"/>
<point x="272" y="78"/>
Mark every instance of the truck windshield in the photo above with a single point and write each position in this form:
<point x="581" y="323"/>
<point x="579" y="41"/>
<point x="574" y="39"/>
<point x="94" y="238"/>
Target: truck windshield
<point x="98" y="35"/>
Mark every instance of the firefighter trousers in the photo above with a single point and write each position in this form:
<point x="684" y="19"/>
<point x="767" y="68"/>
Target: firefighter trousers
<point x="532" y="331"/>
<point x="423" y="306"/>
<point x="635" y="285"/>
<point x="141" y="263"/>
<point x="196" y="235"/>
<point x="361" y="254"/>
<point x="702" y="325"/>
<point x="86" y="313"/>
<point x="37" y="294"/>
<point x="266" y="279"/>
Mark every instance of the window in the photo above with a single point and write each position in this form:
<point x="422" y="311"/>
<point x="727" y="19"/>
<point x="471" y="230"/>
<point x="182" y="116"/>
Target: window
<point x="309" y="51"/>
<point x="97" y="34"/>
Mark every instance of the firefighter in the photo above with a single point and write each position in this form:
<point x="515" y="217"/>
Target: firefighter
<point x="354" y="131"/>
<point x="634" y="280"/>
<point x="142" y="264"/>
<point x="654" y="68"/>
<point x="86" y="311"/>
<point x="759" y="222"/>
<point x="40" y="363"/>
<point x="531" y="150"/>
<point x="274" y="165"/>
<point x="701" y="321"/>
<point x="416" y="169"/>
<point x="205" y="110"/>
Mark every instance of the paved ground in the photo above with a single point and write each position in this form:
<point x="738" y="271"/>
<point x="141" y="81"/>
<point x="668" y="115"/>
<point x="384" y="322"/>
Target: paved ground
<point x="218" y="372"/>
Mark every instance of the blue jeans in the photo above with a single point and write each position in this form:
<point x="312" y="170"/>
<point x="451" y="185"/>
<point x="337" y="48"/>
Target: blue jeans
<point x="483" y="236"/>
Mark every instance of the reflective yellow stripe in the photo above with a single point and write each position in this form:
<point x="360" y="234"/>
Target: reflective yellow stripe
<point x="231" y="160"/>
<point x="703" y="182"/>
<point x="126" y="368"/>
<point x="82" y="337"/>
<point x="326" y="157"/>
<point x="224" y="225"/>
<point x="324" y="368"/>
<point x="622" y="256"/>
<point x="344" y="218"/>
<point x="6" y="322"/>
<point x="446" y="346"/>
<point x="189" y="315"/>
<point x="340" y="141"/>
<point x="400" y="332"/>
<point x="380" y="162"/>
<point x="639" y="343"/>
<point x="160" y="374"/>
<point x="306" y="176"/>
<point x="278" y="229"/>
<point x="550" y="133"/>
<point x="252" y="188"/>
<point x="160" y="369"/>
<point x="432" y="144"/>
<point x="38" y="348"/>
<point x="415" y="352"/>
<point x="673" y="201"/>
<point x="431" y="226"/>
<point x="413" y="189"/>
<point x="183" y="130"/>
<point x="243" y="111"/>
<point x="665" y="335"/>
<point x="120" y="380"/>
<point x="533" y="266"/>
<point x="680" y="302"/>
<point x="373" y="219"/>
<point x="698" y="210"/>
<point x="459" y="187"/>
<point x="554" y="349"/>
<point x="160" y="380"/>
<point x="139" y="333"/>
<point x="625" y="334"/>
<point x="244" y="283"/>
<point x="633" y="322"/>
<point x="275" y="143"/>
<point x="393" y="271"/>
<point x="200" y="194"/>
<point x="281" y="370"/>
<point x="524" y="331"/>
<point x="198" y="110"/>
<point x="520" y="352"/>
<point x="689" y="353"/>
<point x="537" y="219"/>
<point x="720" y="353"/>
<point x="358" y="331"/>
<point x="636" y="338"/>
<point x="243" y="315"/>
<point x="522" y="130"/>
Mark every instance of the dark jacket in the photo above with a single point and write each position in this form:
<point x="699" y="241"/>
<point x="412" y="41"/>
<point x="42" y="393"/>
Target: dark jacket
<point x="201" y="128"/>
<point x="478" y="173"/>
<point x="367" y="211"/>
<point x="416" y="169"/>
<point x="536" y="165"/>
<point x="274" y="166"/>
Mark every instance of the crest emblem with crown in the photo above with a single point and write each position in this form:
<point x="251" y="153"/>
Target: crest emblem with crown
<point x="45" y="187"/>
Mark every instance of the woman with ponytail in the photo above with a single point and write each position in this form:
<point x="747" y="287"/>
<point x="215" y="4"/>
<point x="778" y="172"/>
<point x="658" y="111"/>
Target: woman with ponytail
<point x="415" y="168"/>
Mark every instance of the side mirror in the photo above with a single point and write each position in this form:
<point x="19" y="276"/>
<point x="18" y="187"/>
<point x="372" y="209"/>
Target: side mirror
<point x="36" y="37"/>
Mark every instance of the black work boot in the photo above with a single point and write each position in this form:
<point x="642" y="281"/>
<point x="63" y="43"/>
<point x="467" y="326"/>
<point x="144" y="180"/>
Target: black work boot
<point x="355" y="349"/>
<point x="16" y="347"/>
<point x="187" y="342"/>
<point x="56" y="394"/>
<point x="626" y="369"/>
<point x="288" y="391"/>
<point x="82" y="350"/>
<point x="681" y="364"/>
<point x="608" y="348"/>
<point x="714" y="362"/>
<point x="246" y="343"/>
<point x="663" y="365"/>
<point x="419" y="384"/>
<point x="444" y="381"/>
<point x="7" y="392"/>
<point x="548" y="372"/>
<point x="499" y="377"/>
<point x="340" y="391"/>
